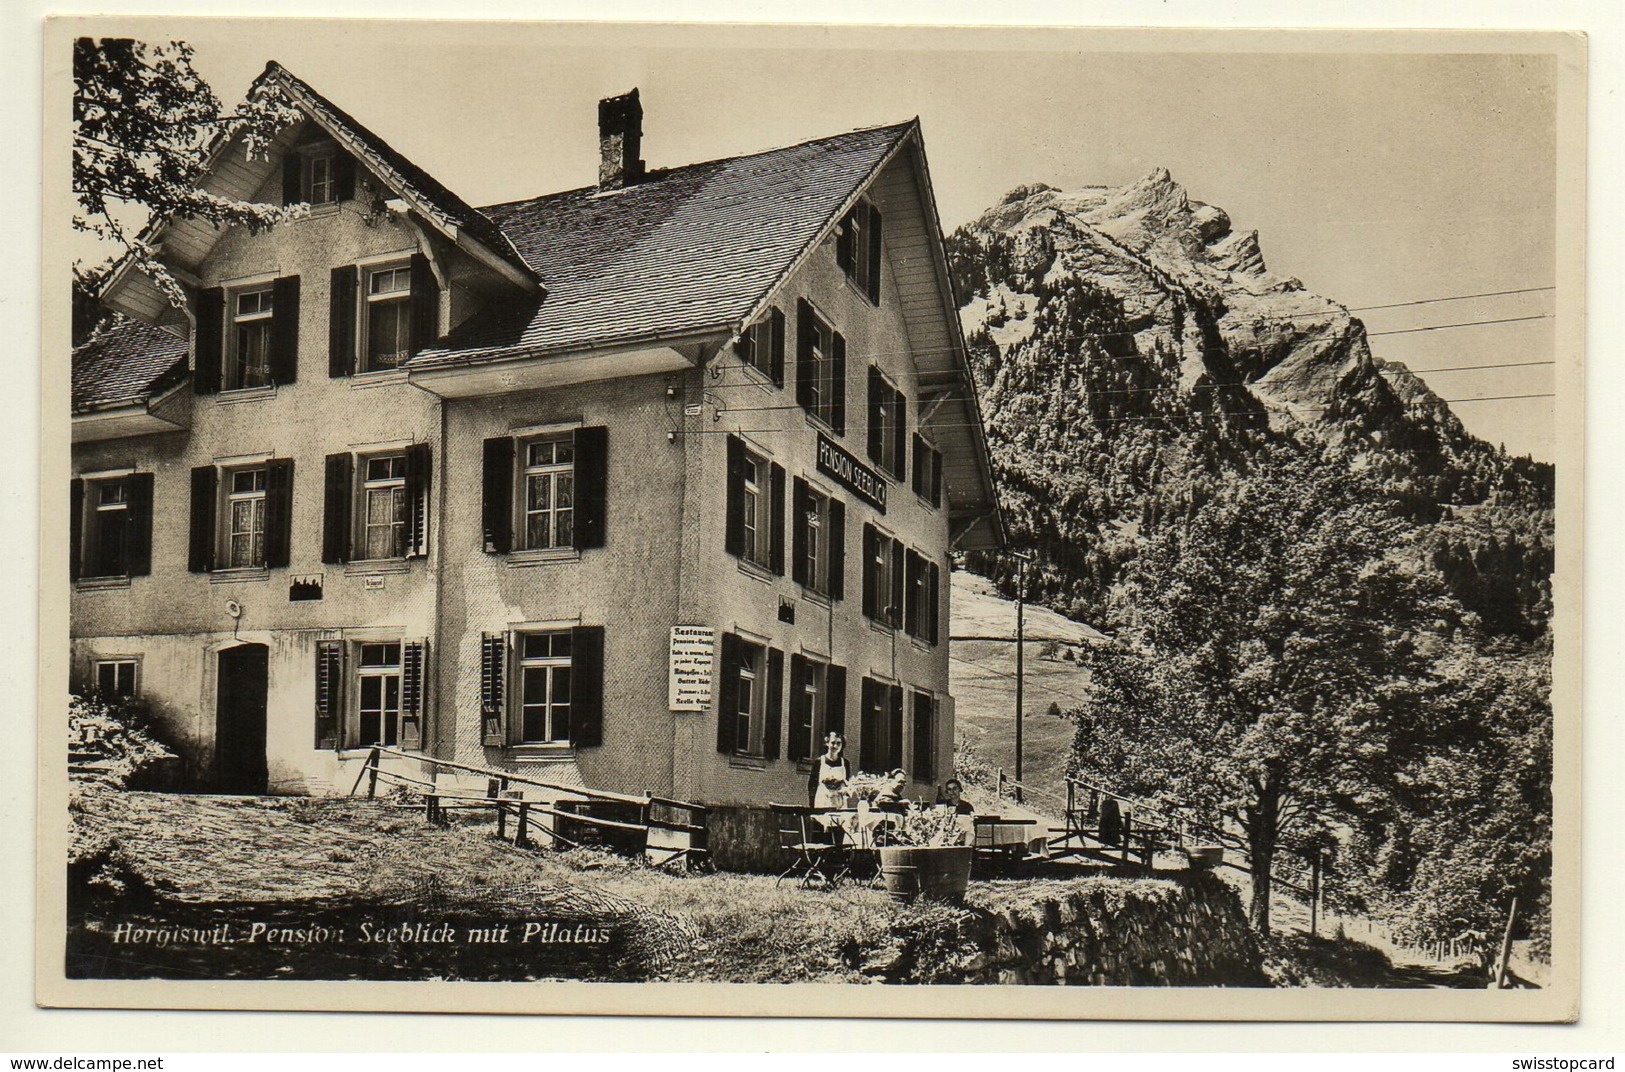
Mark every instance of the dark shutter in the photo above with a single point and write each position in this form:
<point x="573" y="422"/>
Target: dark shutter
<point x="900" y="435"/>
<point x="869" y="757"/>
<point x="873" y="253"/>
<point x="343" y="289"/>
<point x="285" y="330"/>
<point x="728" y="694"/>
<point x="878" y="395"/>
<point x="734" y="538"/>
<point x="844" y="252"/>
<point x="329" y="692"/>
<point x="895" y="560"/>
<point x="493" y="676"/>
<point x="806" y="337"/>
<point x="425" y="303"/>
<point x="925" y="750"/>
<point x="775" y="361"/>
<point x="917" y="449"/>
<point x="293" y="171"/>
<point x="835" y="704"/>
<point x="775" y="526"/>
<point x="418" y="480"/>
<point x="800" y="506"/>
<point x="936" y="476"/>
<point x="745" y="346"/>
<point x="206" y="339"/>
<point x="413" y="657"/>
<point x="773" y="728"/>
<point x="837" y="549"/>
<point x="138" y="527"/>
<point x="278" y="511"/>
<point x="894" y="729"/>
<point x="801" y="712"/>
<point x="200" y="546"/>
<point x="913" y="592"/>
<point x="497" y="503"/>
<point x="837" y="387"/>
<point x="872" y="597"/>
<point x="336" y="508"/>
<point x="933" y="600"/>
<point x="76" y="527"/>
<point x="587" y="686"/>
<point x="591" y="486"/>
<point x="343" y="176"/>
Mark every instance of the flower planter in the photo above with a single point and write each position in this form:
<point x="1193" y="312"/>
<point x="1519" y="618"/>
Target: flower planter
<point x="1205" y="857"/>
<point x="938" y="872"/>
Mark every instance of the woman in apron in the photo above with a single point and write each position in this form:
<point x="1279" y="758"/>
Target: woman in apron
<point x="826" y="788"/>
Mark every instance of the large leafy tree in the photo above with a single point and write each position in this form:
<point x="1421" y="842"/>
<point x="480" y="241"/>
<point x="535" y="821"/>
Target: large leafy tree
<point x="1266" y="655"/>
<point x="145" y="125"/>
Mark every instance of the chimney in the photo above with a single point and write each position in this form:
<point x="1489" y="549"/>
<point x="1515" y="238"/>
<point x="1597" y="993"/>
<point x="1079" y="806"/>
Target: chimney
<point x="620" y="139"/>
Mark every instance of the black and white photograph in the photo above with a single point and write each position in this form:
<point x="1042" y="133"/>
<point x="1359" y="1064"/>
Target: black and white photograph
<point x="1063" y="513"/>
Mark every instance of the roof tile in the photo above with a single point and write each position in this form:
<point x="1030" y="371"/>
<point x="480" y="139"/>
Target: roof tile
<point x="125" y="361"/>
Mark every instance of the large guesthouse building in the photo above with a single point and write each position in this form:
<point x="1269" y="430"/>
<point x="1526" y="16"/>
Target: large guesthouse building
<point x="643" y="487"/>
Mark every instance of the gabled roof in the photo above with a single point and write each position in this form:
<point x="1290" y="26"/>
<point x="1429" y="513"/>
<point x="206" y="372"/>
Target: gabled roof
<point x="685" y="251"/>
<point x="123" y="363"/>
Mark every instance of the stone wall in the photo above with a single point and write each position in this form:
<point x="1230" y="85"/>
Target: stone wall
<point x="1187" y="929"/>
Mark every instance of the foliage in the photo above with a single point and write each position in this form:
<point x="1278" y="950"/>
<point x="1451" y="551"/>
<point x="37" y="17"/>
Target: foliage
<point x="146" y="126"/>
<point x="114" y="736"/>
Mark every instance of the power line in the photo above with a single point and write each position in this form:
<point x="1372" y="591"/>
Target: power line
<point x="1453" y="297"/>
<point x="1464" y="324"/>
<point x="1471" y="368"/>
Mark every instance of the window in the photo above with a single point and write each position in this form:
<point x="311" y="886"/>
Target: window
<point x="887" y="424"/>
<point x="749" y="705"/>
<point x="817" y="704"/>
<point x="380" y="314"/>
<point x="558" y="695"/>
<point x="755" y="507"/>
<point x="116" y="678"/>
<point x="761" y="346"/>
<point x="241" y="516"/>
<point x="247" y="336"/>
<point x="925" y="736"/>
<point x="318" y="174"/>
<point x="881" y="744"/>
<point x="318" y="179"/>
<point x="377" y="506"/>
<point x="554" y="498"/>
<point x="818" y="550"/>
<point x="921" y="583"/>
<point x="883" y="589"/>
<point x="111" y="527"/>
<point x="387" y="323"/>
<point x="820" y="369"/>
<point x="858" y="249"/>
<point x="927" y="471"/>
<point x="370" y="693"/>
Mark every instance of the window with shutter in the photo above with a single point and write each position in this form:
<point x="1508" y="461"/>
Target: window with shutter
<point x="927" y="471"/>
<point x="112" y="527"/>
<point x="816" y="539"/>
<point x="859" y="249"/>
<point x="813" y="705"/>
<point x="925" y="737"/>
<point x="329" y="692"/>
<point x="883" y="588"/>
<point x="750" y="699"/>
<point x="888" y="410"/>
<point x="376" y="505"/>
<point x="820" y="369"/>
<point x="761" y="346"/>
<point x="755" y="507"/>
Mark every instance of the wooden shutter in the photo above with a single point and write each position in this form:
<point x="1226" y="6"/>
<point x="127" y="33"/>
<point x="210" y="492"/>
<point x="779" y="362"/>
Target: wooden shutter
<point x="806" y="336"/>
<point x="138" y="527"/>
<point x="734" y="538"/>
<point x="913" y="591"/>
<point x="775" y="361"/>
<point x="878" y="393"/>
<point x="936" y="477"/>
<point x="872" y="596"/>
<point x="418" y="480"/>
<point x="917" y="449"/>
<point x="587" y="686"/>
<point x="591" y="486"/>
<point x="933" y="600"/>
<point x="894" y="734"/>
<point x="728" y="694"/>
<point x="895" y="560"/>
<point x="835" y="702"/>
<point x="497" y="502"/>
<point x="493" y="678"/>
<point x="925" y="750"/>
<point x="425" y="303"/>
<point x="200" y="545"/>
<point x="329" y="692"/>
<point x="343" y="291"/>
<point x="207" y="340"/>
<point x="775" y="525"/>
<point x="801" y="712"/>
<point x="336" y="510"/>
<point x="869" y="757"/>
<point x="899" y="434"/>
<point x="413" y="659"/>
<point x="285" y="330"/>
<point x="837" y="388"/>
<point x="278" y="511"/>
<point x="800" y="506"/>
<point x="873" y="253"/>
<point x="844" y="252"/>
<point x="293" y="173"/>
<point x="837" y="549"/>
<point x="773" y="728"/>
<point x="343" y="176"/>
<point x="76" y="527"/>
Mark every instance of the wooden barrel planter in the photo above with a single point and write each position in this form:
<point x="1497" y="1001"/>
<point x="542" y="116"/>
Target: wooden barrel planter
<point x="937" y="872"/>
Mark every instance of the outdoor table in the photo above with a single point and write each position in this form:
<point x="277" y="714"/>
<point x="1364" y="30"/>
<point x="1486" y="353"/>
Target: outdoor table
<point x="1010" y="838"/>
<point x="860" y="829"/>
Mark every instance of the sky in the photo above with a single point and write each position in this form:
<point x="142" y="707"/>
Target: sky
<point x="1374" y="177"/>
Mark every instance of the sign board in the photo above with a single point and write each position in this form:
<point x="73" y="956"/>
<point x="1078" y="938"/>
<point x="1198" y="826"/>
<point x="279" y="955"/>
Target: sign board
<point x="835" y="462"/>
<point x="693" y="653"/>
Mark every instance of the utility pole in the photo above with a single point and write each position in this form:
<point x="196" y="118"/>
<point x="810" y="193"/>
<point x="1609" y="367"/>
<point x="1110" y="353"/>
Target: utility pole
<point x="1021" y="649"/>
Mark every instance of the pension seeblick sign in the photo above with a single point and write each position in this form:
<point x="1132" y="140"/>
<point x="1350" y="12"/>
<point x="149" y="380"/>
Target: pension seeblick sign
<point x="850" y="473"/>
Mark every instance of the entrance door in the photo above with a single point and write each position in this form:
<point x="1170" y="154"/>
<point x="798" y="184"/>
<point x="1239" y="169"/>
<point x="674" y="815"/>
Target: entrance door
<point x="239" y="728"/>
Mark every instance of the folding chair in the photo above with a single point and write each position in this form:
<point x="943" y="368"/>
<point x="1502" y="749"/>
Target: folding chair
<point x="810" y="849"/>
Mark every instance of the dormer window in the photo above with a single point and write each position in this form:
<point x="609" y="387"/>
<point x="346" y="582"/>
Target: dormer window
<point x="319" y="174"/>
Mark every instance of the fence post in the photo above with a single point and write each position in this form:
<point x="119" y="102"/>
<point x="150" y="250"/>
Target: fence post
<point x="431" y="805"/>
<point x="502" y="819"/>
<point x="521" y="835"/>
<point x="372" y="774"/>
<point x="999" y="793"/>
<point x="1128" y="833"/>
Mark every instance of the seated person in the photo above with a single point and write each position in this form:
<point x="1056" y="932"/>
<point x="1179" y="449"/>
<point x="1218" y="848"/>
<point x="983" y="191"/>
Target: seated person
<point x="890" y="795"/>
<point x="952" y="797"/>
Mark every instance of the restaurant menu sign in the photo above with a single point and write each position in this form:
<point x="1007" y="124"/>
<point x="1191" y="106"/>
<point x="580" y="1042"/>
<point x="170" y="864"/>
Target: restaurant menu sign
<point x="693" y="652"/>
<point x="850" y="473"/>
